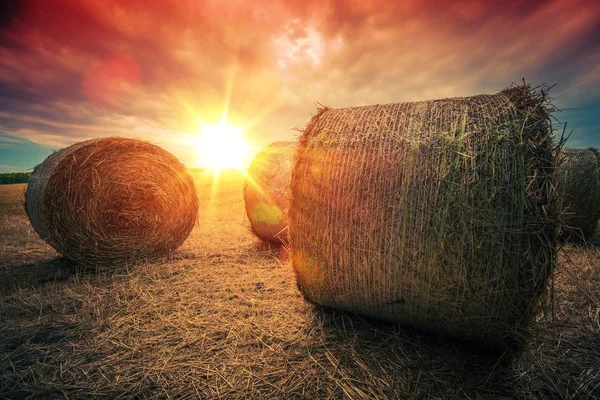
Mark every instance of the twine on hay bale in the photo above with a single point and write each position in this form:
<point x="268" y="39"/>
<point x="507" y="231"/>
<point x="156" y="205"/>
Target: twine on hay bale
<point x="578" y="186"/>
<point x="435" y="214"/>
<point x="112" y="200"/>
<point x="267" y="191"/>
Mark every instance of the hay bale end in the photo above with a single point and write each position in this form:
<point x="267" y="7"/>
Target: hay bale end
<point x="267" y="191"/>
<point x="112" y="201"/>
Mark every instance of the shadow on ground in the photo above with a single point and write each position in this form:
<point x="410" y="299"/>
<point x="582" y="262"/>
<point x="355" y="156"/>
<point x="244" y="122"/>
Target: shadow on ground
<point x="385" y="354"/>
<point x="36" y="274"/>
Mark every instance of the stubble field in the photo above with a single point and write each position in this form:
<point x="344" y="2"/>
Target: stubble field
<point x="223" y="318"/>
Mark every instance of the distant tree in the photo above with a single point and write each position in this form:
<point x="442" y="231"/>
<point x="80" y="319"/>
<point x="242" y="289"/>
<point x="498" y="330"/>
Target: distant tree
<point x="14" y="177"/>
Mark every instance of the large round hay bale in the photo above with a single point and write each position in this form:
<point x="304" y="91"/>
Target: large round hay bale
<point x="578" y="185"/>
<point x="435" y="214"/>
<point x="267" y="191"/>
<point x="112" y="200"/>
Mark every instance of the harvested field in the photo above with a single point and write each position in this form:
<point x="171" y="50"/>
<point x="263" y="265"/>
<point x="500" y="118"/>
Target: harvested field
<point x="223" y="318"/>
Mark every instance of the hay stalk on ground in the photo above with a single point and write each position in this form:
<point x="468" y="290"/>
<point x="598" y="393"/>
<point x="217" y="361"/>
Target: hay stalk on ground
<point x="435" y="214"/>
<point x="112" y="200"/>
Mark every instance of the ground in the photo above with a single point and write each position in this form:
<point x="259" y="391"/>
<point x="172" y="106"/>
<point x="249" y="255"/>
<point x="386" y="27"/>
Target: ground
<point x="223" y="318"/>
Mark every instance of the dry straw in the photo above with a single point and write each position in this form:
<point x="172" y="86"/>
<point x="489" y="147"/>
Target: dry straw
<point x="267" y="191"/>
<point x="112" y="200"/>
<point x="578" y="184"/>
<point x="435" y="214"/>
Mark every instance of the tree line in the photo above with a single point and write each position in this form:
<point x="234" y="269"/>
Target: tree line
<point x="14" y="177"/>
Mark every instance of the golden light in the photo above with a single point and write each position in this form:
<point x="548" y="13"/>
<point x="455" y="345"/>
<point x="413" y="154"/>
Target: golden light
<point x="222" y="146"/>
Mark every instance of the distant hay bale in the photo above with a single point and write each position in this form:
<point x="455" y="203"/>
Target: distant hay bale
<point x="112" y="201"/>
<point x="267" y="191"/>
<point x="435" y="214"/>
<point x="578" y="186"/>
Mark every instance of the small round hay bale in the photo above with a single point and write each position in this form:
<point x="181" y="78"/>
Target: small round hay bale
<point x="435" y="214"/>
<point x="578" y="186"/>
<point x="267" y="191"/>
<point x="112" y="201"/>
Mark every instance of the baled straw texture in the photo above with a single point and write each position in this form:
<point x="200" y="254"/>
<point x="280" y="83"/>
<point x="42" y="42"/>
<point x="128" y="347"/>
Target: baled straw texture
<point x="578" y="186"/>
<point x="435" y="214"/>
<point x="267" y="191"/>
<point x="112" y="201"/>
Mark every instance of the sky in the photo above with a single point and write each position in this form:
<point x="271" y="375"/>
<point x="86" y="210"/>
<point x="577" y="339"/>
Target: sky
<point x="155" y="70"/>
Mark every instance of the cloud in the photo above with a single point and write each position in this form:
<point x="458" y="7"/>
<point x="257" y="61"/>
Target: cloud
<point x="9" y="168"/>
<point x="7" y="141"/>
<point x="154" y="69"/>
<point x="586" y="84"/>
<point x="19" y="154"/>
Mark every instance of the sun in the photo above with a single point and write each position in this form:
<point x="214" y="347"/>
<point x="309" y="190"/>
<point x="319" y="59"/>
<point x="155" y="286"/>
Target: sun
<point x="222" y="146"/>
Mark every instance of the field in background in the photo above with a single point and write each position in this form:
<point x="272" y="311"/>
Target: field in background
<point x="223" y="318"/>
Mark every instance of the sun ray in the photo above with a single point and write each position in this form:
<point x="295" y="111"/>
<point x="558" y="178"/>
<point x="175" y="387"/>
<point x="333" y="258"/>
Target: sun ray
<point x="265" y="110"/>
<point x="229" y="82"/>
<point x="251" y="180"/>
<point x="214" y="190"/>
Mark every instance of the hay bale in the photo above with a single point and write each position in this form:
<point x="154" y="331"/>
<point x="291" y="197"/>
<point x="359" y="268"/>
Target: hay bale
<point x="435" y="214"/>
<point x="578" y="186"/>
<point x="112" y="200"/>
<point x="267" y="191"/>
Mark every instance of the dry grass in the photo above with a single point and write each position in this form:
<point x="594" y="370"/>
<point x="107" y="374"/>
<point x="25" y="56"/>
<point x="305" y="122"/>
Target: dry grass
<point x="112" y="200"/>
<point x="222" y="318"/>
<point x="267" y="191"/>
<point x="437" y="214"/>
<point x="17" y="243"/>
